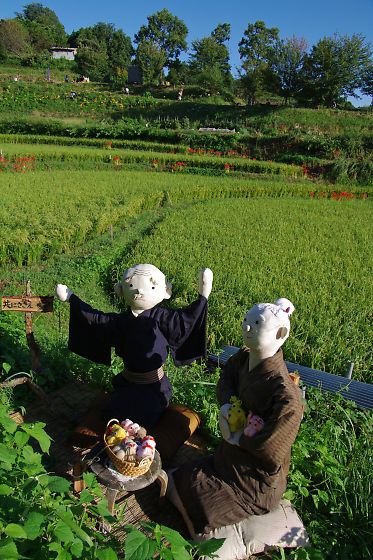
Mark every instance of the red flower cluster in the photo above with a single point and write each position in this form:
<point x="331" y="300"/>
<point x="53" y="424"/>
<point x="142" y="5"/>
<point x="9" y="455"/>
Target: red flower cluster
<point x="18" y="164"/>
<point x="178" y="166"/>
<point x="217" y="153"/>
<point x="335" y="195"/>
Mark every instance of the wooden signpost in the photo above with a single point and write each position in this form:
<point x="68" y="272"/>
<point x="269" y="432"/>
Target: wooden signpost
<point x="29" y="304"/>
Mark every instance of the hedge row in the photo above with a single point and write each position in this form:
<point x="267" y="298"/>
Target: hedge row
<point x="156" y="160"/>
<point x="260" y="147"/>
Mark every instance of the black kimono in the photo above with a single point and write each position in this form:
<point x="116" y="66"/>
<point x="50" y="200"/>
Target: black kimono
<point x="143" y="342"/>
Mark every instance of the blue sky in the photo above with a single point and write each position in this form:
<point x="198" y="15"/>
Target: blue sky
<point x="311" y="19"/>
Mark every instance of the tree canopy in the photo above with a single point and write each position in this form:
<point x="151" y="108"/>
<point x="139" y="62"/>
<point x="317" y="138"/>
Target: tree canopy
<point x="166" y="32"/>
<point x="334" y="69"/>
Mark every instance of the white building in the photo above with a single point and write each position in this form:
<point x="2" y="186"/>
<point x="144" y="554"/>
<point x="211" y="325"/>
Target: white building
<point x="68" y="53"/>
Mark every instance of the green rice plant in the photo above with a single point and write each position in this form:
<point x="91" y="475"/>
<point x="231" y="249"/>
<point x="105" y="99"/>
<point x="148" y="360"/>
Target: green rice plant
<point x="73" y="211"/>
<point x="264" y="249"/>
<point x="48" y="153"/>
<point x="330" y="479"/>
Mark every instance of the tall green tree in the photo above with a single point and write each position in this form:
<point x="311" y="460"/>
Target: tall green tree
<point x="166" y="33"/>
<point x="120" y="51"/>
<point x="92" y="60"/>
<point x="256" y="50"/>
<point x="14" y="38"/>
<point x="151" y="59"/>
<point x="44" y="27"/>
<point x="209" y="60"/>
<point x="334" y="70"/>
<point x="367" y="82"/>
<point x="113" y="51"/>
<point x="286" y="65"/>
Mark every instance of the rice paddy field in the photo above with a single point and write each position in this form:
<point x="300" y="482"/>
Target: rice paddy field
<point x="316" y="252"/>
<point x="71" y="215"/>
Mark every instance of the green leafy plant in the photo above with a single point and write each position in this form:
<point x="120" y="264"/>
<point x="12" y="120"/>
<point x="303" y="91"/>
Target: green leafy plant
<point x="39" y="516"/>
<point x="159" y="541"/>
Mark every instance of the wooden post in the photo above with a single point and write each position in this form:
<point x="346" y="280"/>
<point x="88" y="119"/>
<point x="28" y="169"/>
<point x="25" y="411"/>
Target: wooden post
<point x="29" y="304"/>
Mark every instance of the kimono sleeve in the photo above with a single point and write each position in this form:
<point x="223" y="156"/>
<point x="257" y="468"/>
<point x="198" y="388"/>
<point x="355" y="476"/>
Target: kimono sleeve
<point x="227" y="385"/>
<point x="186" y="330"/>
<point x="273" y="443"/>
<point x="91" y="331"/>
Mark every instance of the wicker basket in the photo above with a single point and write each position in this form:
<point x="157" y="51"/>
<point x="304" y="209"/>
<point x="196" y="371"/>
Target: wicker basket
<point x="133" y="466"/>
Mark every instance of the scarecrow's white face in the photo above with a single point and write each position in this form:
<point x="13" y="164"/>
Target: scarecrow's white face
<point x="143" y="286"/>
<point x="265" y="328"/>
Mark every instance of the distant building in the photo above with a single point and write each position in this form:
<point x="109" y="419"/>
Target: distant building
<point x="134" y="75"/>
<point x="68" y="53"/>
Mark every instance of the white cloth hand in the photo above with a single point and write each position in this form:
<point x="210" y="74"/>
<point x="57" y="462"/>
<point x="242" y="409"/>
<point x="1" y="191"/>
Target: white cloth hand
<point x="63" y="292"/>
<point x="205" y="282"/>
<point x="234" y="438"/>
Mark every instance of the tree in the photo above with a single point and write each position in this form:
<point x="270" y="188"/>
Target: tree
<point x="14" y="38"/>
<point x="120" y="51"/>
<point x="114" y="51"/>
<point x="44" y="27"/>
<point x="256" y="50"/>
<point x="334" y="69"/>
<point x="209" y="61"/>
<point x="166" y="33"/>
<point x="151" y="59"/>
<point x="367" y="82"/>
<point x="286" y="64"/>
<point x="222" y="33"/>
<point x="91" y="59"/>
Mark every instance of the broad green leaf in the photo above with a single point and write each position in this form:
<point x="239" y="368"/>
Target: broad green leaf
<point x="21" y="438"/>
<point x="106" y="554"/>
<point x="207" y="548"/>
<point x="32" y="524"/>
<point x="55" y="546"/>
<point x="303" y="491"/>
<point x="77" y="548"/>
<point x="37" y="432"/>
<point x="15" y="531"/>
<point x="63" y="555"/>
<point x="58" y="484"/>
<point x="8" y="551"/>
<point x="7" y="455"/>
<point x="136" y="546"/>
<point x="89" y="479"/>
<point x="63" y="532"/>
<point x="31" y="457"/>
<point x="6" y="367"/>
<point x="67" y="518"/>
<point x="5" y="490"/>
<point x="289" y="495"/>
<point x="86" y="497"/>
<point x="173" y="537"/>
<point x="9" y="424"/>
<point x="166" y="554"/>
<point x="180" y="553"/>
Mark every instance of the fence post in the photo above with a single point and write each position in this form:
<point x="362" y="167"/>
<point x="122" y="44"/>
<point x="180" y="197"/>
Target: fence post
<point x="349" y="369"/>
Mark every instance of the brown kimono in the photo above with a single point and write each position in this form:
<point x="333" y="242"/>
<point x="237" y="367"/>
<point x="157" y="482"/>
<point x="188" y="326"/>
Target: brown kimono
<point x="251" y="478"/>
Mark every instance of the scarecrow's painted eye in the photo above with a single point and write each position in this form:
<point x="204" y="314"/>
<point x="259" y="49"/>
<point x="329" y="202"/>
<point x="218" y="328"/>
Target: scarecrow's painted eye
<point x="153" y="287"/>
<point x="131" y="285"/>
<point x="257" y="322"/>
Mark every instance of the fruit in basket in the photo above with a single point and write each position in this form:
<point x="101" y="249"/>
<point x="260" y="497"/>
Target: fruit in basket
<point x="115" y="434"/>
<point x="131" y="428"/>
<point x="146" y="448"/>
<point x="120" y="454"/>
<point x="129" y="447"/>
